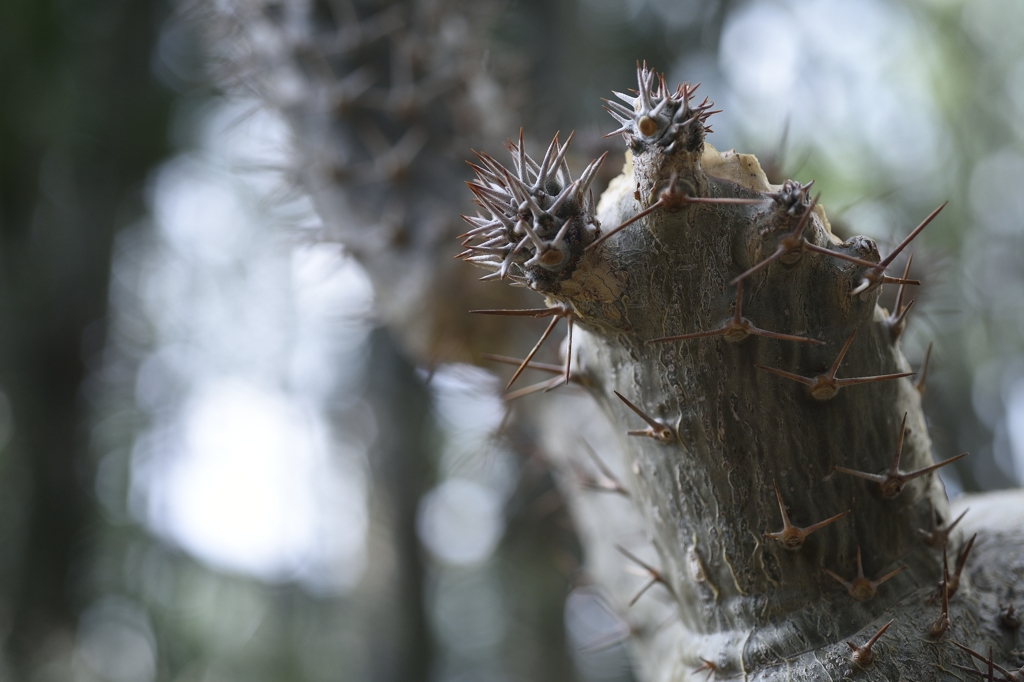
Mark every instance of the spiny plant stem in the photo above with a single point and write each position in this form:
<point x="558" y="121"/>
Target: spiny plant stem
<point x="728" y="445"/>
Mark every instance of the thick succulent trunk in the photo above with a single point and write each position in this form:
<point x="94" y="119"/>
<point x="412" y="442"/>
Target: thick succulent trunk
<point x="739" y="430"/>
<point x="719" y="439"/>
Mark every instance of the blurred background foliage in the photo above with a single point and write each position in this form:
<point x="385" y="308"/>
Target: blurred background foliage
<point x="217" y="465"/>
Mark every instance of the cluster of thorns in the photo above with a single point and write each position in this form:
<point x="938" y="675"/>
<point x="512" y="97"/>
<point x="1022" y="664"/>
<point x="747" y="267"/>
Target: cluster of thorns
<point x="738" y="327"/>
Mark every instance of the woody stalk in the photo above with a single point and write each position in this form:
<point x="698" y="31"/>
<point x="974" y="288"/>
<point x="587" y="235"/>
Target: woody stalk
<point x="772" y="454"/>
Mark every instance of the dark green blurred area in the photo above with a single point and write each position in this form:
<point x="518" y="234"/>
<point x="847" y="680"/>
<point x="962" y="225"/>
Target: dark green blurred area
<point x="92" y="99"/>
<point x="81" y="124"/>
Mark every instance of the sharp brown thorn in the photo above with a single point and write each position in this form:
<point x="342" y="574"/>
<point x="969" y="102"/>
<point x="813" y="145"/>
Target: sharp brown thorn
<point x="802" y="532"/>
<point x="563" y="168"/>
<point x="542" y="386"/>
<point x="784" y="337"/>
<point x="831" y="374"/>
<point x="935" y="534"/>
<point x="710" y="668"/>
<point x="560" y="156"/>
<point x="973" y="671"/>
<point x="787" y="375"/>
<point x="720" y="200"/>
<point x="653" y="423"/>
<point x="542" y="366"/>
<point x="738" y="307"/>
<point x="989" y="662"/>
<point x="528" y="229"/>
<point x="894" y="468"/>
<point x="531" y="203"/>
<point x="656" y="205"/>
<point x="520" y="245"/>
<point x="922" y="375"/>
<point x="902" y="315"/>
<point x="523" y="312"/>
<point x="875" y="583"/>
<point x="644" y="90"/>
<point x="867" y="380"/>
<point x="899" y="292"/>
<point x="589" y="173"/>
<point x="837" y="254"/>
<point x="499" y="240"/>
<point x="945" y="564"/>
<point x="910" y="237"/>
<point x="862" y="655"/>
<point x="782" y="507"/>
<point x="617" y="131"/>
<point x="957" y="520"/>
<point x="694" y="335"/>
<point x="605" y="643"/>
<point x="874" y="638"/>
<point x="612" y="105"/>
<point x="568" y="349"/>
<point x="1008" y="617"/>
<point x="521" y="150"/>
<point x="876" y="478"/>
<point x="807" y="530"/>
<point x="493" y="251"/>
<point x="778" y="253"/>
<point x="540" y="342"/>
<point x="689" y="120"/>
<point x="927" y="470"/>
<point x="605" y="471"/>
<point x="852" y="586"/>
<point x="637" y="560"/>
<point x="941" y="624"/>
<point x="559" y="200"/>
<point x="491" y="194"/>
<point x="886" y="279"/>
<point x="658" y="108"/>
<point x="532" y="165"/>
<point x="492" y="171"/>
<point x="483" y="173"/>
<point x="624" y="97"/>
<point x="643" y="590"/>
<point x="961" y="560"/>
<point x="848" y="585"/>
<point x="799" y="229"/>
<point x="545" y="163"/>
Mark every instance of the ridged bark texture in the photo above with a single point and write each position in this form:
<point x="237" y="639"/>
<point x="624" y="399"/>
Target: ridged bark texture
<point x="715" y="430"/>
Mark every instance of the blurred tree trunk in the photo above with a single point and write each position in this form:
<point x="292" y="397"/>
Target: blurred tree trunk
<point x="82" y="123"/>
<point x="401" y="464"/>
